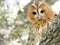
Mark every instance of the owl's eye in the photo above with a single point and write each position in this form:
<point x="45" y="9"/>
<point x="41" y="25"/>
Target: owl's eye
<point x="34" y="13"/>
<point x="42" y="11"/>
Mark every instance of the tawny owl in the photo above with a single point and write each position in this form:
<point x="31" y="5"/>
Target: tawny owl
<point x="41" y="15"/>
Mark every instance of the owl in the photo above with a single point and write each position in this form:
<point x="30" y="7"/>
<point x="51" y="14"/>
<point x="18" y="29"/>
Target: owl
<point x="41" y="16"/>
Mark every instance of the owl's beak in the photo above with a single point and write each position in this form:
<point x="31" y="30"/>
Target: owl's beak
<point x="40" y="16"/>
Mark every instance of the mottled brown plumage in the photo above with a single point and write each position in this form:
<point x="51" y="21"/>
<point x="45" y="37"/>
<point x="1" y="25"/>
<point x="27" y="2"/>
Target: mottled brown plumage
<point x="41" y="15"/>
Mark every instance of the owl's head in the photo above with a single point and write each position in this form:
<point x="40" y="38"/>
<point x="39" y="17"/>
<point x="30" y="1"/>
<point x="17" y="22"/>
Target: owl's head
<point x="40" y="11"/>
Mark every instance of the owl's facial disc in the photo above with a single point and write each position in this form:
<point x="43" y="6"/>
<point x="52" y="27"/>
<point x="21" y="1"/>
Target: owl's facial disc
<point x="38" y="15"/>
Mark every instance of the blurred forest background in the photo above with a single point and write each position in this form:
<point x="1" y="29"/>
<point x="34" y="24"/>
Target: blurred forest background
<point x="15" y="29"/>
